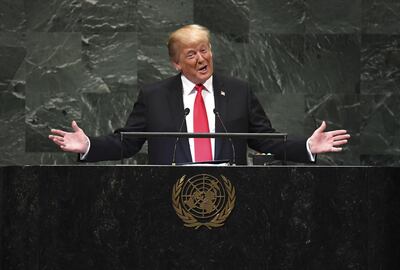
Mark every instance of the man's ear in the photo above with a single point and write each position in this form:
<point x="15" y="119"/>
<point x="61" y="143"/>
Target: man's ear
<point x="176" y="65"/>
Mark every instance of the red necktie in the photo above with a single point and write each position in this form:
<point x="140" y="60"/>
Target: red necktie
<point x="202" y="146"/>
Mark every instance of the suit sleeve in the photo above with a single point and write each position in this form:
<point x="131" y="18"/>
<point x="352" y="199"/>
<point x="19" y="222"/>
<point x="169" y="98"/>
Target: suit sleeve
<point x="259" y="123"/>
<point x="110" y="147"/>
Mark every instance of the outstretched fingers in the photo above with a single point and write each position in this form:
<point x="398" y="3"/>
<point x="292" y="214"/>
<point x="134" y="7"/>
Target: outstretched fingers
<point x="338" y="132"/>
<point x="58" y="140"/>
<point x="58" y="132"/>
<point x="336" y="149"/>
<point x="341" y="142"/>
<point x="341" y="137"/>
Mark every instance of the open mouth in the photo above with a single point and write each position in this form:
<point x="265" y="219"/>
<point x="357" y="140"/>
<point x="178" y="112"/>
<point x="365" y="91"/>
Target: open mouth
<point x="203" y="69"/>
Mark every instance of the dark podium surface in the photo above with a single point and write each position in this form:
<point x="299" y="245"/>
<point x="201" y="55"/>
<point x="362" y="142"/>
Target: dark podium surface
<point x="121" y="217"/>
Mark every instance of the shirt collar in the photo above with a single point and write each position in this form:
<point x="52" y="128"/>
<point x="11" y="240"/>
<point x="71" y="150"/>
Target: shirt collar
<point x="188" y="86"/>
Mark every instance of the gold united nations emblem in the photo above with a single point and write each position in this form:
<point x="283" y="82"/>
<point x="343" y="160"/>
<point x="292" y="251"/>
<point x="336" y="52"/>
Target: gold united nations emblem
<point x="203" y="200"/>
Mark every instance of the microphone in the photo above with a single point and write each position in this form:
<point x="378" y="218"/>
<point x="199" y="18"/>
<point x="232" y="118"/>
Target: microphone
<point x="186" y="112"/>
<point x="229" y="138"/>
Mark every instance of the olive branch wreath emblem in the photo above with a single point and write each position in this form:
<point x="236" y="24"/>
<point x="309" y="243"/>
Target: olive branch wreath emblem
<point x="189" y="220"/>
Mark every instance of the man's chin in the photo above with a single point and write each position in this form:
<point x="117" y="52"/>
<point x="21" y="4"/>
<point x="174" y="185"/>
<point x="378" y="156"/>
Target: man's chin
<point x="199" y="78"/>
<point x="203" y="77"/>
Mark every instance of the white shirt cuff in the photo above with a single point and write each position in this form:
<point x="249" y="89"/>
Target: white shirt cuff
<point x="310" y="155"/>
<point x="83" y="156"/>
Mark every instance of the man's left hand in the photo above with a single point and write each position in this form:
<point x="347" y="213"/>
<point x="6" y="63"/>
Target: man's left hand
<point x="330" y="141"/>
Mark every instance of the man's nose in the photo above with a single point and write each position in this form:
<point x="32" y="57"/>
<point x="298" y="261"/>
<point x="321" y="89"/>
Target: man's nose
<point x="199" y="57"/>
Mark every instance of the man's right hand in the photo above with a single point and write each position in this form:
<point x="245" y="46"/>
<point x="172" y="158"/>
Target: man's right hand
<point x="76" y="141"/>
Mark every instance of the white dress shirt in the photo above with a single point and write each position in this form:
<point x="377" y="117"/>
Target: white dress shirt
<point x="189" y="95"/>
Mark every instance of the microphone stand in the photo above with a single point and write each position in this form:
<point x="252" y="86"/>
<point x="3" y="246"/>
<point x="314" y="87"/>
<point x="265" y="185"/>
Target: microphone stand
<point x="187" y="111"/>
<point x="229" y="138"/>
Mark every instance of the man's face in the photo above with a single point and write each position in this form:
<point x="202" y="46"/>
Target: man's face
<point x="195" y="61"/>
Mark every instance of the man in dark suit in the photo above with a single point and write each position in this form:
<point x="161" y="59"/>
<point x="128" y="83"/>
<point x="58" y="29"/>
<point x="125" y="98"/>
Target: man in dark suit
<point x="210" y="100"/>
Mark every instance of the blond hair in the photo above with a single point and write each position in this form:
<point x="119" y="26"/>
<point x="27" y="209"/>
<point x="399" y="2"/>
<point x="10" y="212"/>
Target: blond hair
<point x="188" y="34"/>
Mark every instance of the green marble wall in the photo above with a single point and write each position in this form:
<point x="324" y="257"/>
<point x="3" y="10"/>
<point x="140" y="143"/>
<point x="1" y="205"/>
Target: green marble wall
<point x="308" y="61"/>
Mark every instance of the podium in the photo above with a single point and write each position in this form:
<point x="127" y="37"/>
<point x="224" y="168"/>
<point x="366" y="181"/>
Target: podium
<point x="122" y="217"/>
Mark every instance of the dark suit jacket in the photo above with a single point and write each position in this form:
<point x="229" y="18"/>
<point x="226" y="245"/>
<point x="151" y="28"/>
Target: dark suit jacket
<point x="159" y="107"/>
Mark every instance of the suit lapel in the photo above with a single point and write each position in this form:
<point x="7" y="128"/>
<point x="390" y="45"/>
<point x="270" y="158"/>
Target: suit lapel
<point x="175" y="101"/>
<point x="221" y="96"/>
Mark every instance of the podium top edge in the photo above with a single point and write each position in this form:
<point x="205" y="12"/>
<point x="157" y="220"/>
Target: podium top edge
<point x="203" y="135"/>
